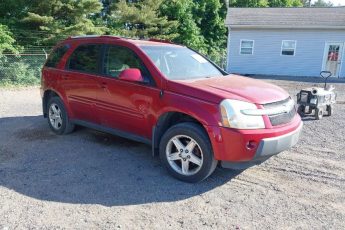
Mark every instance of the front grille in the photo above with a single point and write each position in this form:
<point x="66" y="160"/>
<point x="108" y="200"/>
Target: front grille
<point x="282" y="118"/>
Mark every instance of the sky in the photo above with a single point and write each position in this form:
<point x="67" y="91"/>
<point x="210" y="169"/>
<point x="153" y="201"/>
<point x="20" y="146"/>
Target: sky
<point x="336" y="2"/>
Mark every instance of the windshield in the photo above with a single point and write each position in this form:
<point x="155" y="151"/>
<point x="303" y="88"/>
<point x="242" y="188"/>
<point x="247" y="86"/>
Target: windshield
<point x="180" y="63"/>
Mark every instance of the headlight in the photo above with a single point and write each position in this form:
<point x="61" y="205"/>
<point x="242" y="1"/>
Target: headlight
<point x="233" y="117"/>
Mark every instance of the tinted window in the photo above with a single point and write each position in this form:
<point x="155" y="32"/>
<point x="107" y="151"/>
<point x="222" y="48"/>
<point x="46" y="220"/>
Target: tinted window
<point x="118" y="59"/>
<point x="56" y="55"/>
<point x="85" y="58"/>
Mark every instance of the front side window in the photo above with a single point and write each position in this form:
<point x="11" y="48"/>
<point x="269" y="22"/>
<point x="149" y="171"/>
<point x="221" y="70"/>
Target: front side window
<point x="119" y="58"/>
<point x="288" y="47"/>
<point x="247" y="47"/>
<point x="55" y="57"/>
<point x="85" y="59"/>
<point x="180" y="63"/>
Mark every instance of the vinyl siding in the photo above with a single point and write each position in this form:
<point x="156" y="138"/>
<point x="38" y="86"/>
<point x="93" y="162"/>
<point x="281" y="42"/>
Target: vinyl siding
<point x="267" y="58"/>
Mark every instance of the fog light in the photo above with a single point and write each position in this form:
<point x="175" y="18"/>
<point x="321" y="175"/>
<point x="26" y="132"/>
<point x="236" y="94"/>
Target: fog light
<point x="251" y="145"/>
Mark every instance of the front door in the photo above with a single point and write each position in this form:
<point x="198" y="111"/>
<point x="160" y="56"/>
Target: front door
<point x="123" y="105"/>
<point x="332" y="58"/>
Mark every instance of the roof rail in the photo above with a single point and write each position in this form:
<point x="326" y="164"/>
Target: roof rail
<point x="160" y="40"/>
<point x="92" y="36"/>
<point x="111" y="36"/>
<point x="84" y="36"/>
<point x="120" y="37"/>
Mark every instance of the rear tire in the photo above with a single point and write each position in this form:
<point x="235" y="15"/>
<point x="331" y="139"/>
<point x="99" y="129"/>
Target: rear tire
<point x="186" y="152"/>
<point x="58" y="119"/>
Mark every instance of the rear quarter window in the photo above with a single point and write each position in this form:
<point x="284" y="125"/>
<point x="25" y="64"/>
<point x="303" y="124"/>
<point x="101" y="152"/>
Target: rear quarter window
<point x="55" y="57"/>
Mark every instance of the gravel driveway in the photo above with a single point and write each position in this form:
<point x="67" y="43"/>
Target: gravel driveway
<point x="93" y="180"/>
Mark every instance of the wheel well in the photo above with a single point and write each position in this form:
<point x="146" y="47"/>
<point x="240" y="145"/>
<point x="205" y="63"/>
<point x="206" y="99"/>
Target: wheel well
<point x="47" y="95"/>
<point x="166" y="121"/>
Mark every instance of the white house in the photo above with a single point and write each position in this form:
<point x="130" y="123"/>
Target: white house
<point x="286" y="41"/>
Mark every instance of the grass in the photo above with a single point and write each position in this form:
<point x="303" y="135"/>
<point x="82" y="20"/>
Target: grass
<point x="21" y="84"/>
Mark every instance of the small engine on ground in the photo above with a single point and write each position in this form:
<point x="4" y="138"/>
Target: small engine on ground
<point x="317" y="99"/>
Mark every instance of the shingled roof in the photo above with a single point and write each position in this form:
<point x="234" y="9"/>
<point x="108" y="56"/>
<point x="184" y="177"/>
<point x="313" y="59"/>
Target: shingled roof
<point x="320" y="18"/>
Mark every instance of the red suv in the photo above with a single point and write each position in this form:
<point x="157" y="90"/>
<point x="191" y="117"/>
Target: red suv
<point x="192" y="112"/>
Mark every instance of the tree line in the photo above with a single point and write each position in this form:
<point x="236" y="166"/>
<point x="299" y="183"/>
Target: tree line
<point x="195" y="23"/>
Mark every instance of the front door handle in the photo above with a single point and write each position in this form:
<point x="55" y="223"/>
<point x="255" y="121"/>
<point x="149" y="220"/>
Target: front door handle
<point x="103" y="85"/>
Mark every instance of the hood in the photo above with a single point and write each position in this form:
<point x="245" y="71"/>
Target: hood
<point x="229" y="87"/>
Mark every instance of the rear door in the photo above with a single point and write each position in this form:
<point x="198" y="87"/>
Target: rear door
<point x="123" y="105"/>
<point x="80" y="81"/>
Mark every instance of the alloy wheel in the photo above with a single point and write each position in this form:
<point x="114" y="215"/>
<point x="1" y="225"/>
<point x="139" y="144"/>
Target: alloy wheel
<point x="55" y="117"/>
<point x="184" y="155"/>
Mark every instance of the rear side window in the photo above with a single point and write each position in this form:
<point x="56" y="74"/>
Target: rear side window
<point x="85" y="59"/>
<point x="55" y="57"/>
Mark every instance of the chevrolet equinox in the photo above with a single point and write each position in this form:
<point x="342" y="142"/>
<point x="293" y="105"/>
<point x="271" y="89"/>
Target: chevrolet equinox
<point x="193" y="113"/>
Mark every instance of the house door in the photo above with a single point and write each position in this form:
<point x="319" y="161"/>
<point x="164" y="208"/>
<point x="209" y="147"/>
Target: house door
<point x="332" y="58"/>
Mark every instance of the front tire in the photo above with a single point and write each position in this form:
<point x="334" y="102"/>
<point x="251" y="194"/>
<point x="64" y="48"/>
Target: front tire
<point x="186" y="152"/>
<point x="58" y="119"/>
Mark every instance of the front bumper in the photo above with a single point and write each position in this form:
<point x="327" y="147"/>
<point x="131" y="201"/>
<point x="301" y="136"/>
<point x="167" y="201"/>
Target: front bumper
<point x="275" y="145"/>
<point x="268" y="147"/>
<point x="230" y="145"/>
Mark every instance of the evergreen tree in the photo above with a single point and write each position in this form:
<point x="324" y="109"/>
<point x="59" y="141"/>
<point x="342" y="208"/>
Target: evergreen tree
<point x="141" y="19"/>
<point x="46" y="22"/>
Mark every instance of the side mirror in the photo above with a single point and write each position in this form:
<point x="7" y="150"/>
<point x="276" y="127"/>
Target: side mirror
<point x="131" y="74"/>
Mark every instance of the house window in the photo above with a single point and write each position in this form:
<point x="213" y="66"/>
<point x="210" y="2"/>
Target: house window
<point x="288" y="47"/>
<point x="247" y="47"/>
